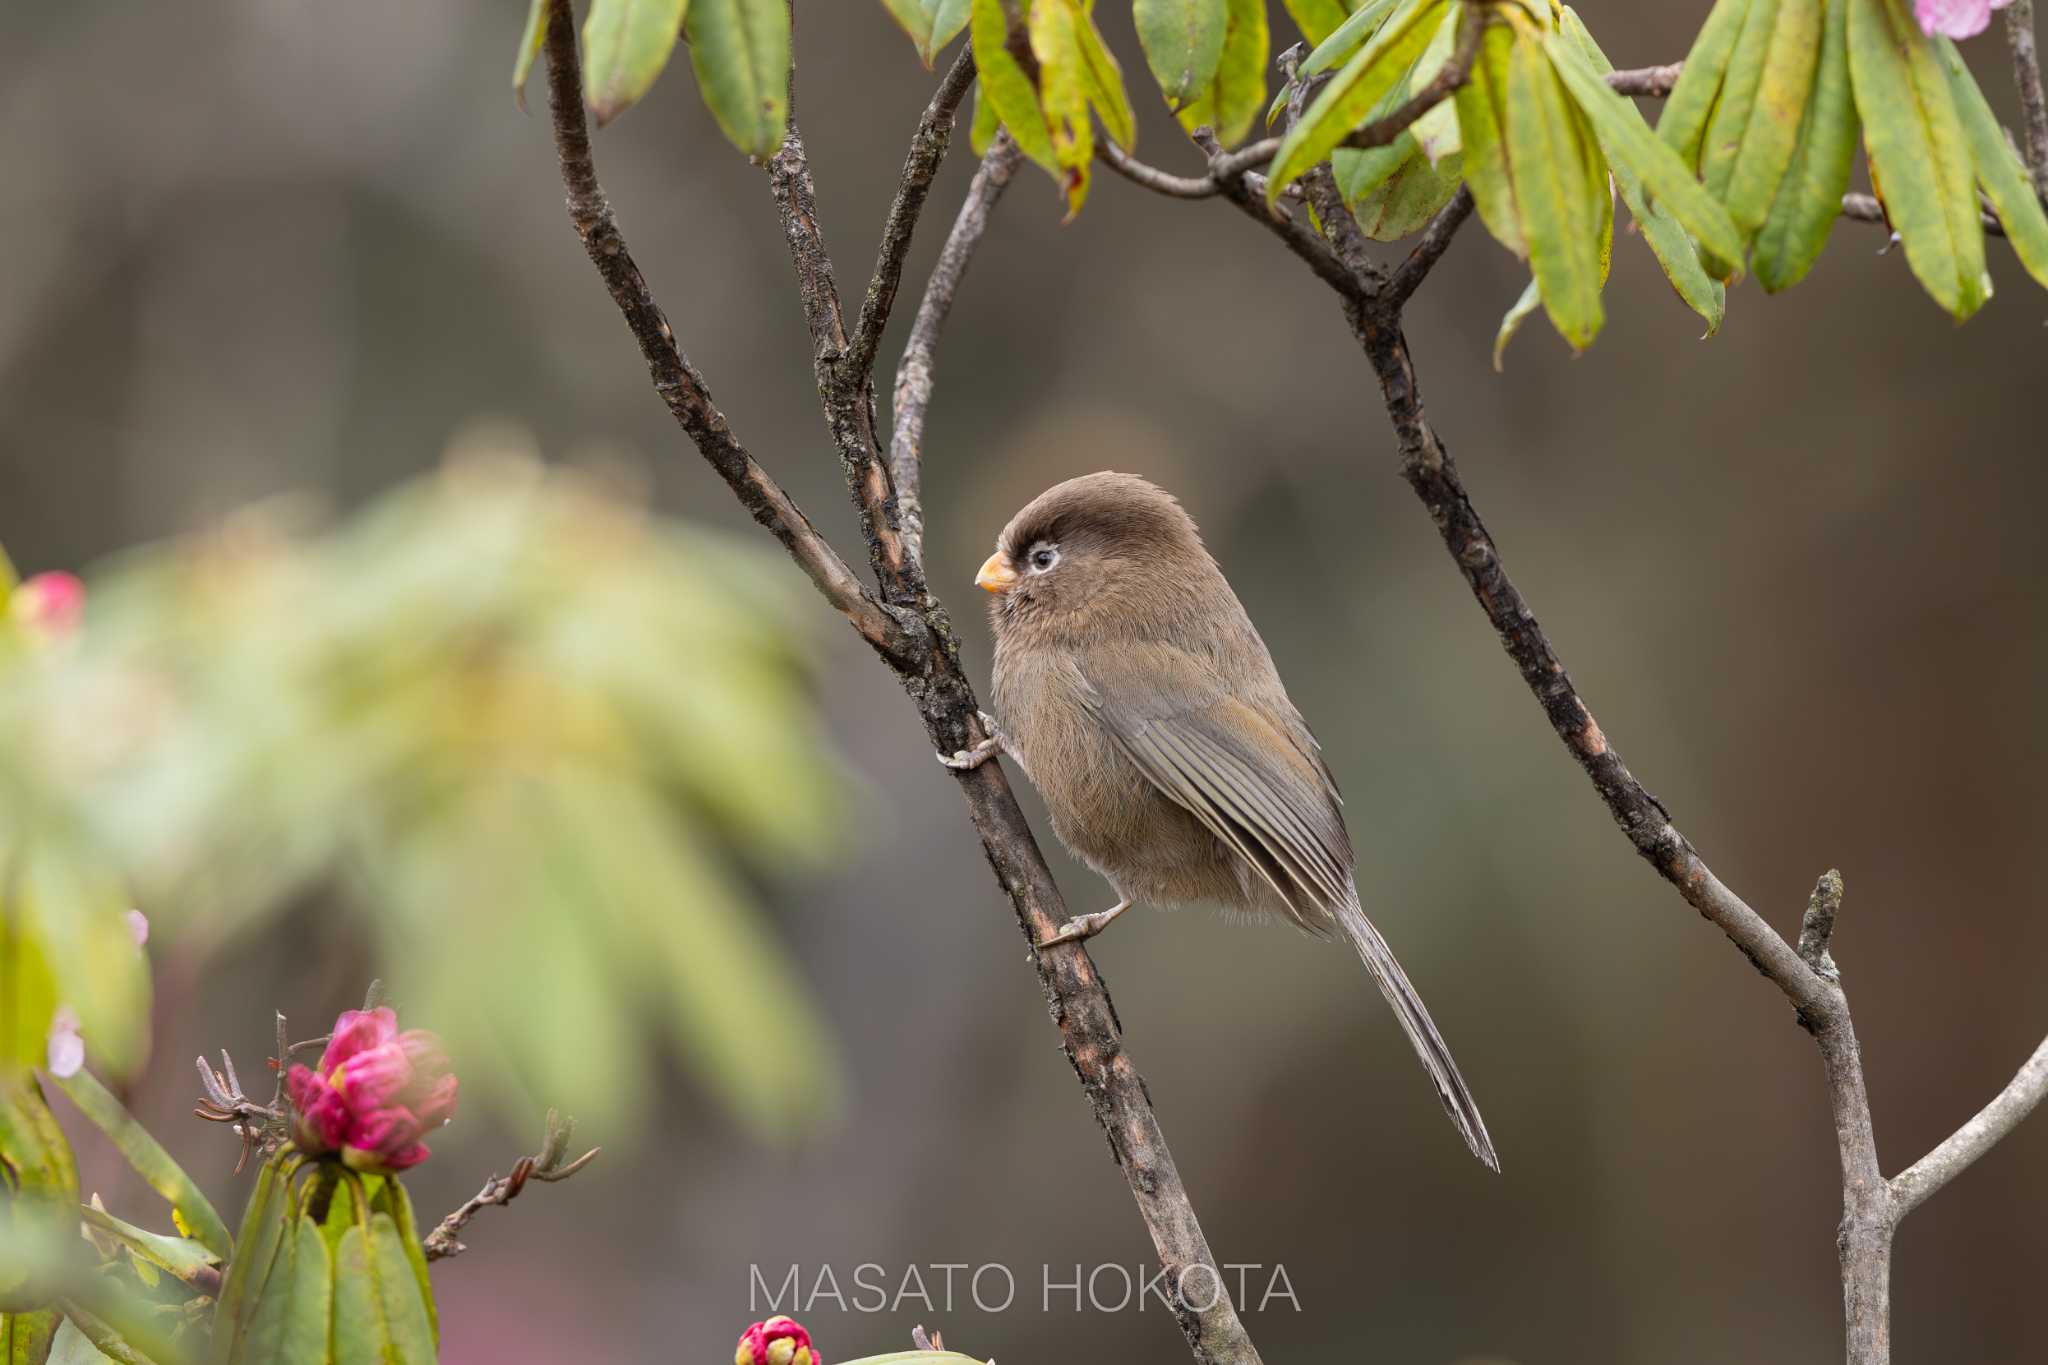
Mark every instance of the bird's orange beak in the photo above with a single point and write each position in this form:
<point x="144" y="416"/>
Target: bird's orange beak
<point x="996" y="574"/>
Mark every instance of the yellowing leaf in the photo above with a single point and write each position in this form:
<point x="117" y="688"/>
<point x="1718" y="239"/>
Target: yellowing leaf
<point x="1919" y="157"/>
<point x="1063" y="94"/>
<point x="1771" y="136"/>
<point x="1810" y="196"/>
<point x="1482" y="118"/>
<point x="1006" y="87"/>
<point x="1353" y="92"/>
<point x="1560" y="218"/>
<point x="1683" y="124"/>
<point x="2005" y="180"/>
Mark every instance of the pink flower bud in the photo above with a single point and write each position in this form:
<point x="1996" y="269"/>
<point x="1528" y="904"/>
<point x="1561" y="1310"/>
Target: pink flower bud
<point x="1955" y="18"/>
<point x="49" y="605"/>
<point x="778" y="1341"/>
<point x="138" y="926"/>
<point x="376" y="1093"/>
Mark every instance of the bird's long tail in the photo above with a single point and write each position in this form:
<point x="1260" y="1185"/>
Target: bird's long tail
<point x="1421" y="1030"/>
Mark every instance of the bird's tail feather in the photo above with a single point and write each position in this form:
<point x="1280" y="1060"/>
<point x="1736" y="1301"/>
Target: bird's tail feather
<point x="1421" y="1030"/>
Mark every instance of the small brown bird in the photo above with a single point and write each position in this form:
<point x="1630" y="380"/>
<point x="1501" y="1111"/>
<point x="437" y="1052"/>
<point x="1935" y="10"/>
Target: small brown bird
<point x="1142" y="703"/>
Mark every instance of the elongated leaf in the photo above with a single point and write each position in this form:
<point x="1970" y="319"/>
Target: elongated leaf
<point x="394" y="1200"/>
<point x="1919" y="158"/>
<point x="1732" y="111"/>
<point x="529" y="47"/>
<point x="310" y="1324"/>
<point x="1551" y="183"/>
<point x="38" y="1195"/>
<point x="626" y="43"/>
<point x="1810" y="196"/>
<point x="1436" y="132"/>
<point x="740" y="50"/>
<point x="263" y="1225"/>
<point x="1346" y="38"/>
<point x="1317" y="19"/>
<point x="1063" y="94"/>
<point x="1482" y="117"/>
<point x="1353" y="92"/>
<point x="1664" y="234"/>
<point x="1683" y="124"/>
<point x="150" y="1160"/>
<point x="2005" y="180"/>
<point x="1105" y="81"/>
<point x="1229" y="102"/>
<point x="1183" y="42"/>
<point x="378" y="1316"/>
<point x="1630" y="145"/>
<point x="1771" y="136"/>
<point x="181" y="1257"/>
<point x="1006" y="86"/>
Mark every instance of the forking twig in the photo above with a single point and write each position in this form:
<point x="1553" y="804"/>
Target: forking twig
<point x="548" y="1166"/>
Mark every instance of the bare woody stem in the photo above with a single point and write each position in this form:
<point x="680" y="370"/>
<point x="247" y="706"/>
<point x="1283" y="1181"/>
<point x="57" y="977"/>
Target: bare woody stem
<point x="913" y="393"/>
<point x="2026" y="70"/>
<point x="913" y="636"/>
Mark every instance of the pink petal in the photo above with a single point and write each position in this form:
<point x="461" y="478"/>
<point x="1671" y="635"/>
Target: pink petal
<point x="50" y="604"/>
<point x="138" y="925"/>
<point x="438" y="1106"/>
<point x="374" y="1078"/>
<point x="358" y="1031"/>
<point x="1955" y="18"/>
<point x="66" y="1048"/>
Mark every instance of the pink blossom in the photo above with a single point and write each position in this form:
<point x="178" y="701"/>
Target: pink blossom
<point x="49" y="605"/>
<point x="376" y="1094"/>
<point x="778" y="1341"/>
<point x="1956" y="18"/>
<point x="138" y="925"/>
<point x="67" y="1049"/>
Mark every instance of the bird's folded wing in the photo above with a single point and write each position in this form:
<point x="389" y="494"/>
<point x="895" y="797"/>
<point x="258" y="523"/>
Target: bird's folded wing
<point x="1237" y="769"/>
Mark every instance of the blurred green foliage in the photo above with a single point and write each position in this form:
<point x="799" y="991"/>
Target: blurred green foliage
<point x="539" y="739"/>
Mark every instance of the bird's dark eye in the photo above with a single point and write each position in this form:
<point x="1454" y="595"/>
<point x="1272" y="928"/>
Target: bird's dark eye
<point x="1044" y="557"/>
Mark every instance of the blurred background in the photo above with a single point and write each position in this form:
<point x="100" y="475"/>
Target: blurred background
<point x="273" y="253"/>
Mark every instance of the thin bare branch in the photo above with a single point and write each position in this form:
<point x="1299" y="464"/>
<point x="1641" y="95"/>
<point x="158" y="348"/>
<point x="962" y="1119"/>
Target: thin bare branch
<point x="1912" y="1186"/>
<point x="1865" y="208"/>
<point x="549" y="1166"/>
<point x="1817" y="928"/>
<point x="2026" y="70"/>
<point x="675" y="378"/>
<point x="913" y="393"/>
<point x="1654" y="82"/>
<point x="1428" y="250"/>
<point x="927" y="150"/>
<point x="1154" y="179"/>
